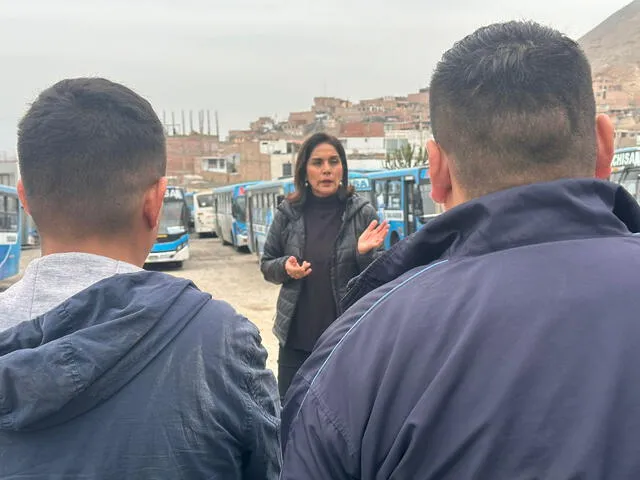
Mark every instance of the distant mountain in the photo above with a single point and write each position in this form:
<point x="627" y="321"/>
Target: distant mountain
<point x="613" y="47"/>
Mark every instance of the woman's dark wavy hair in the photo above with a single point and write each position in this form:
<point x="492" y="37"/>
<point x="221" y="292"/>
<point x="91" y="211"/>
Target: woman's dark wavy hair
<point x="299" y="196"/>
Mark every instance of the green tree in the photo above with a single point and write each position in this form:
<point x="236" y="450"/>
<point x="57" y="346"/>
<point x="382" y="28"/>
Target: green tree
<point x="406" y="156"/>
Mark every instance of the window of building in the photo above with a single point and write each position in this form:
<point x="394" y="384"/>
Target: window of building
<point x="214" y="165"/>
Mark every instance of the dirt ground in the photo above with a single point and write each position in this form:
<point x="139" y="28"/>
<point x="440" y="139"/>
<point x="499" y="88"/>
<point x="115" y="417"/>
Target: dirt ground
<point x="227" y="275"/>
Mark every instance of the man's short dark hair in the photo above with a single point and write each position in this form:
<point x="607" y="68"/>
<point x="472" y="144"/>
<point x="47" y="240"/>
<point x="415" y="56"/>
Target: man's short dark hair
<point x="88" y="148"/>
<point x="513" y="104"/>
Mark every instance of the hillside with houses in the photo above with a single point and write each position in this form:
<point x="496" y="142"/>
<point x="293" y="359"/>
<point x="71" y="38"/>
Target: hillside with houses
<point x="383" y="132"/>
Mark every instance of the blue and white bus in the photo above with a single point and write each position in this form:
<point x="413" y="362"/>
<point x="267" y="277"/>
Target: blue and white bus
<point x="204" y="224"/>
<point x="264" y="198"/>
<point x="10" y="243"/>
<point x="188" y="196"/>
<point x="230" y="214"/>
<point x="172" y="243"/>
<point x="625" y="170"/>
<point x="403" y="198"/>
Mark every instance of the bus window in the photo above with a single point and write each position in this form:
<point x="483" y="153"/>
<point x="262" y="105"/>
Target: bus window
<point x="9" y="212"/>
<point x="630" y="182"/>
<point x="13" y="210"/>
<point x="262" y="207"/>
<point x="380" y="194"/>
<point x="239" y="209"/>
<point x="428" y="205"/>
<point x="4" y="221"/>
<point x="394" y="195"/>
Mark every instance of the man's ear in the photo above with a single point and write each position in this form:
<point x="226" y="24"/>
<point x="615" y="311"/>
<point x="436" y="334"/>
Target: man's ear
<point x="22" y="195"/>
<point x="605" y="135"/>
<point x="153" y="200"/>
<point x="439" y="173"/>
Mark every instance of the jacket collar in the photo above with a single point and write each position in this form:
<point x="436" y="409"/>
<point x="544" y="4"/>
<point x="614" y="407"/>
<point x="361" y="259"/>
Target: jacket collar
<point x="353" y="205"/>
<point x="527" y="215"/>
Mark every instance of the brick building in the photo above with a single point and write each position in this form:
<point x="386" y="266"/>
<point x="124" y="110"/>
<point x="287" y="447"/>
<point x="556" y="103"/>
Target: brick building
<point x="215" y="163"/>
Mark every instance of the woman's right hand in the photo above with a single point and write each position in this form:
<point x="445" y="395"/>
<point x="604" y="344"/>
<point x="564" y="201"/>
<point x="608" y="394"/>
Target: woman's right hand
<point x="295" y="270"/>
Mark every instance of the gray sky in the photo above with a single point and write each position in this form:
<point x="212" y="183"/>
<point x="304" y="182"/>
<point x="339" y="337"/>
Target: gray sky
<point x="248" y="58"/>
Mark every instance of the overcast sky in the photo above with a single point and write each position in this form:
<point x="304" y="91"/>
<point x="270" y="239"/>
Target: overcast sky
<point x="248" y="58"/>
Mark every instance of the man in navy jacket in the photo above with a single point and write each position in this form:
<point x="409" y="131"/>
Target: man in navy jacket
<point x="501" y="341"/>
<point x="113" y="372"/>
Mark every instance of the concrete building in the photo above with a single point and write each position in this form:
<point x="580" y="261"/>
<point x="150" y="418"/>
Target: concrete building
<point x="364" y="146"/>
<point x="397" y="139"/>
<point x="8" y="171"/>
<point x="363" y="139"/>
<point x="300" y="119"/>
<point x="282" y="165"/>
<point x="215" y="162"/>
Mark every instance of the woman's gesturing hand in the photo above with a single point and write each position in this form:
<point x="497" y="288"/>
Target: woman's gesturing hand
<point x="295" y="270"/>
<point x="372" y="237"/>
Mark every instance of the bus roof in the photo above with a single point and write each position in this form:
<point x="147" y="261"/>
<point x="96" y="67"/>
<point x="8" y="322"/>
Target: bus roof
<point x="401" y="172"/>
<point x="269" y="184"/>
<point x="234" y="187"/>
<point x="9" y="190"/>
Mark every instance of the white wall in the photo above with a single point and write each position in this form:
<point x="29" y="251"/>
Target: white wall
<point x="277" y="160"/>
<point x="363" y="145"/>
<point x="268" y="147"/>
<point x="415" y="138"/>
<point x="365" y="163"/>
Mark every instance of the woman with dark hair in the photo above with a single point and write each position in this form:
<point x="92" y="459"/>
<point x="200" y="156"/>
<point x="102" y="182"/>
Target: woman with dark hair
<point x="321" y="236"/>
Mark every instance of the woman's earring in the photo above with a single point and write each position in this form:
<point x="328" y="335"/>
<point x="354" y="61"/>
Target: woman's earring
<point x="306" y="184"/>
<point x="340" y="182"/>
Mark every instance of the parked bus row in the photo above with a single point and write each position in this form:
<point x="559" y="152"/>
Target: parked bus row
<point x="243" y="212"/>
<point x="240" y="215"/>
<point x="10" y="228"/>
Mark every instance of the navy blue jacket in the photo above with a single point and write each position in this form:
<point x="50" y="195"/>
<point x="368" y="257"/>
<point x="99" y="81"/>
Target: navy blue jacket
<point x="139" y="376"/>
<point x="501" y="341"/>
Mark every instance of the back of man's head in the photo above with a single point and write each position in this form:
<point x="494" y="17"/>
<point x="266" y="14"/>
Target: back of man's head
<point x="88" y="150"/>
<point x="513" y="104"/>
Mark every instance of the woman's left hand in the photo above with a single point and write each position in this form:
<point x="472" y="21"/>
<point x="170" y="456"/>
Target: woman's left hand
<point x="372" y="237"/>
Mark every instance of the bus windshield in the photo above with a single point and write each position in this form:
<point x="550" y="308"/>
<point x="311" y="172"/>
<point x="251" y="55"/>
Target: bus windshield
<point x="240" y="209"/>
<point x="172" y="219"/>
<point x="205" y="200"/>
<point x="630" y="181"/>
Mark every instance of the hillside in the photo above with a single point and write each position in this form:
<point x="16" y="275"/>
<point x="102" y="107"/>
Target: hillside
<point x="613" y="47"/>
